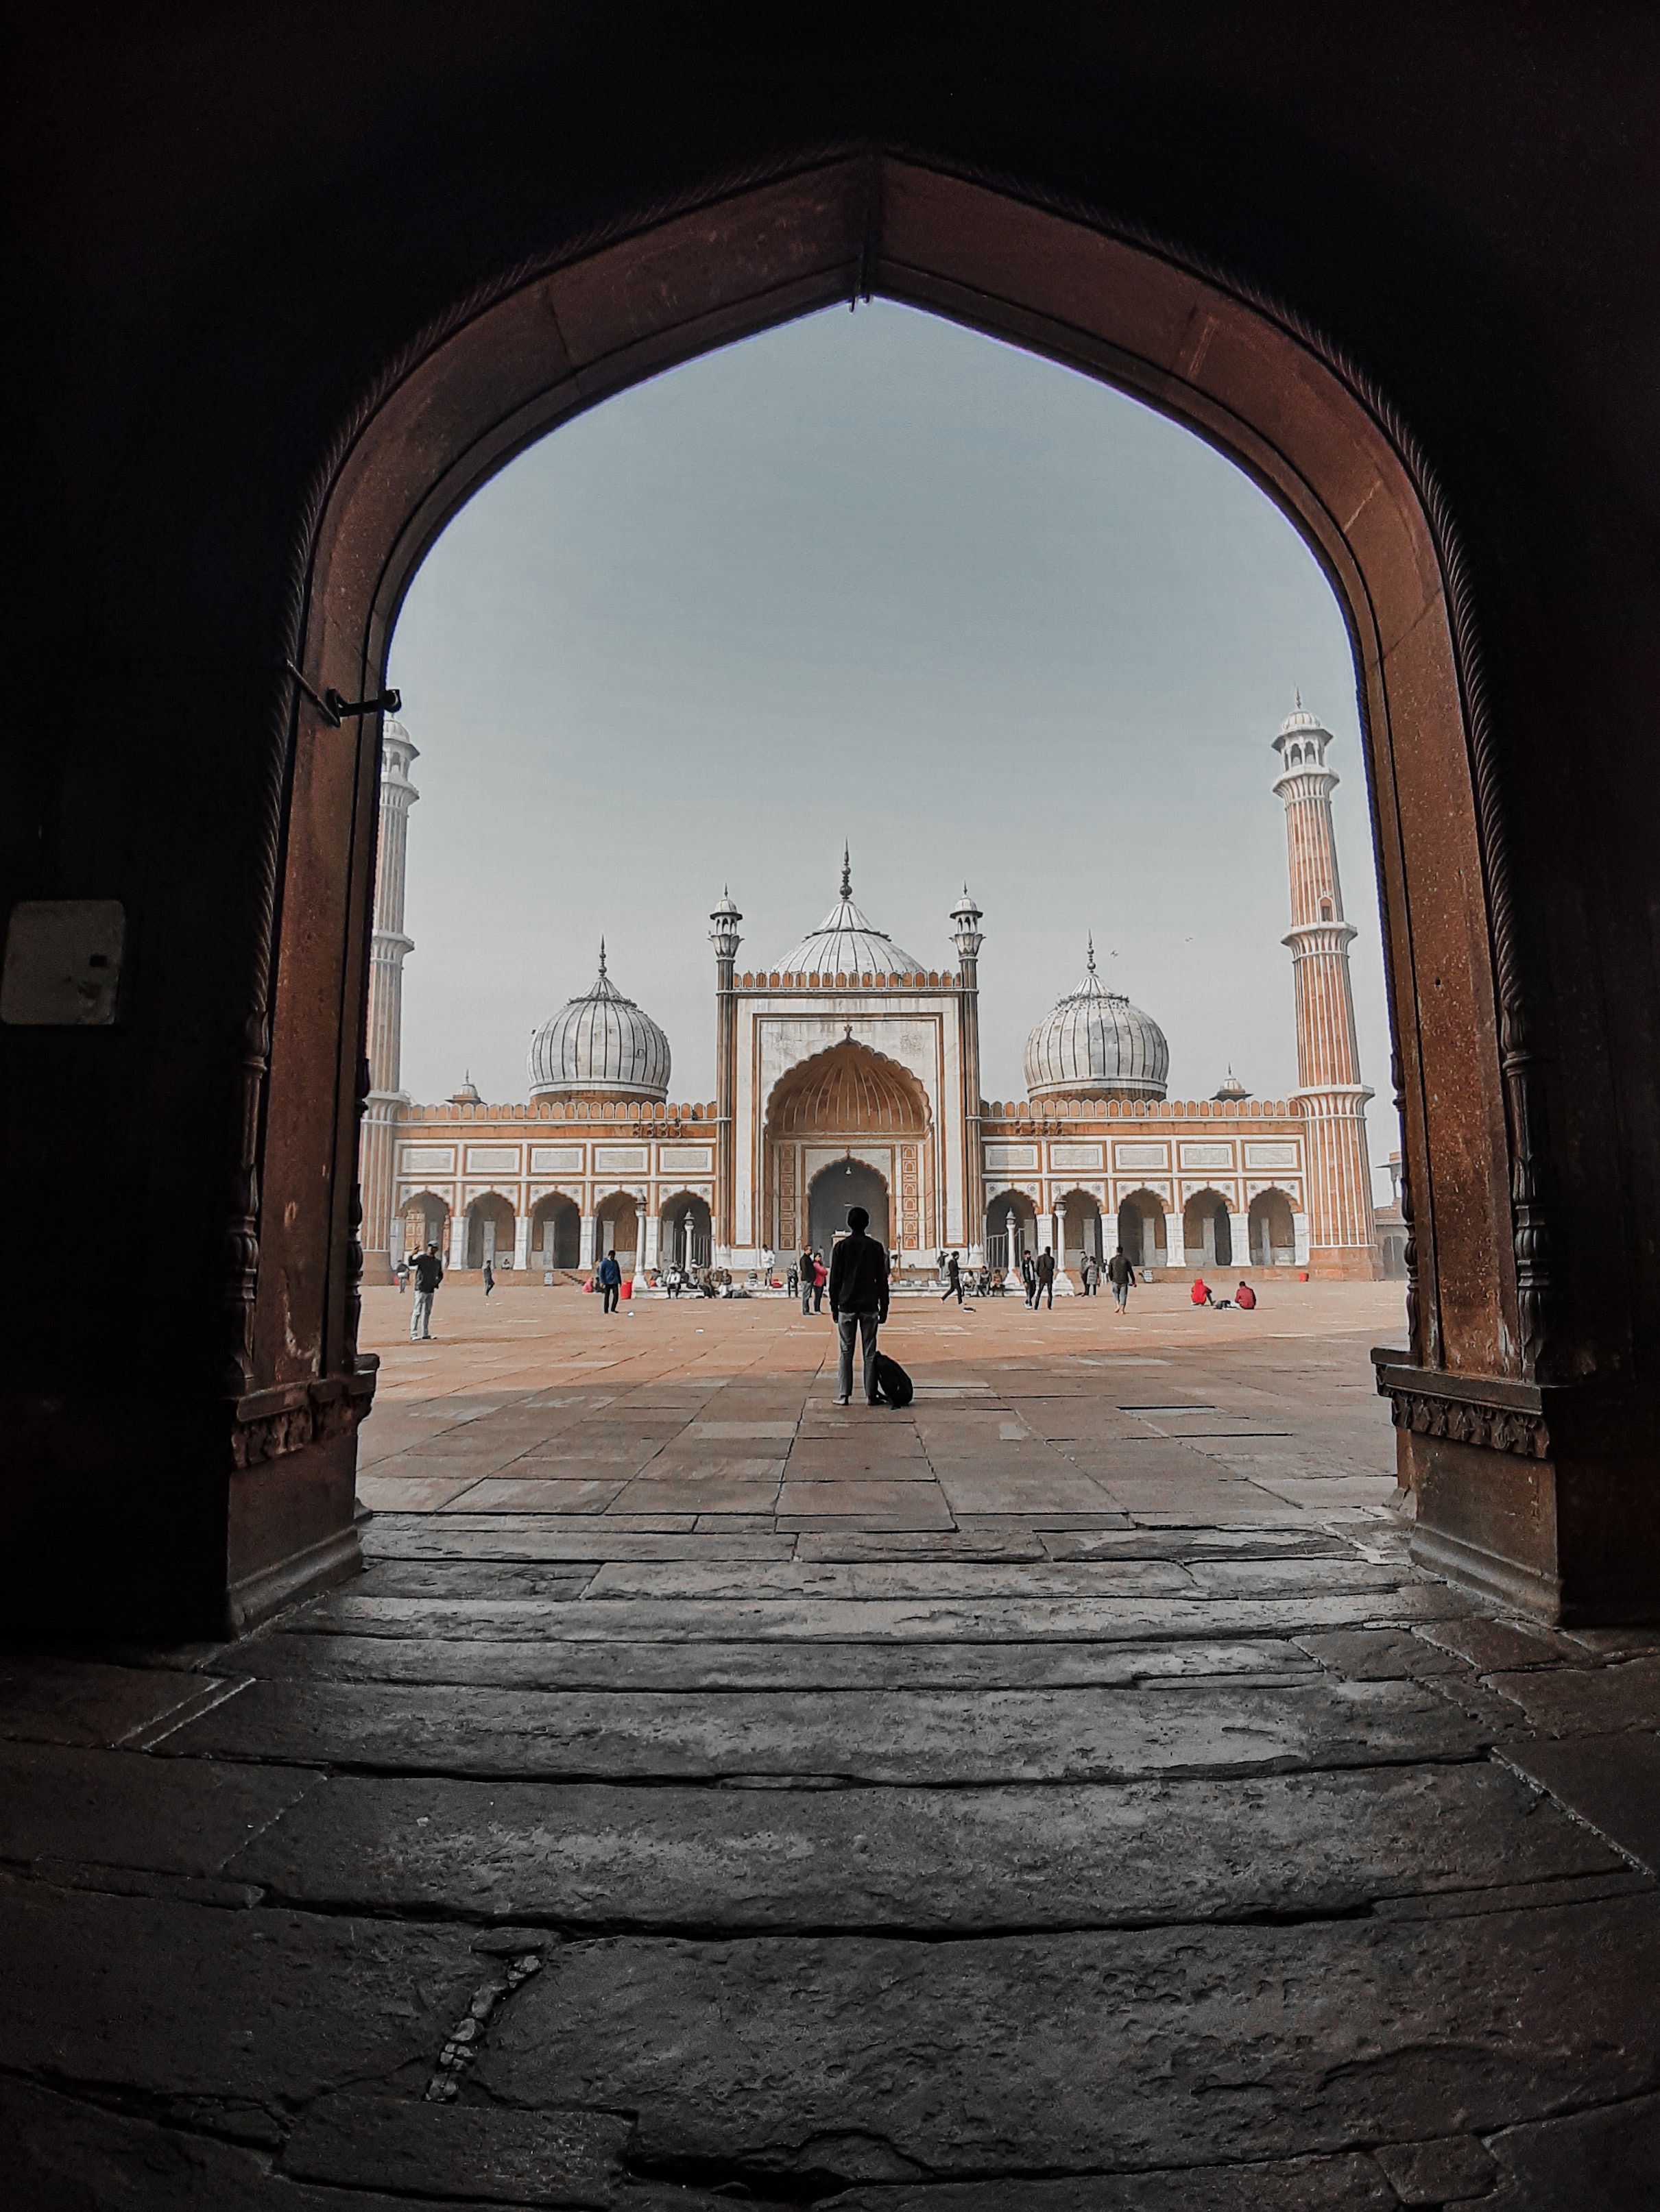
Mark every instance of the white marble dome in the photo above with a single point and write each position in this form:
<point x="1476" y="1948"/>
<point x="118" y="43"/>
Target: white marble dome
<point x="1097" y="1045"/>
<point x="601" y="1041"/>
<point x="845" y="944"/>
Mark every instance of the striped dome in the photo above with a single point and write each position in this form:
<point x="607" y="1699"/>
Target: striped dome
<point x="600" y="1043"/>
<point x="845" y="944"/>
<point x="1097" y="1045"/>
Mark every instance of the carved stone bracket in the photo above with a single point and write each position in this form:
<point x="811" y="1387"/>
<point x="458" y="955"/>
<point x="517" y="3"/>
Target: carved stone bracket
<point x="269" y="1423"/>
<point x="1485" y="1411"/>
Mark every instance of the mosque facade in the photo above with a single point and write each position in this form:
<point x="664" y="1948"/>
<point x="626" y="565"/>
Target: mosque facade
<point x="849" y="1072"/>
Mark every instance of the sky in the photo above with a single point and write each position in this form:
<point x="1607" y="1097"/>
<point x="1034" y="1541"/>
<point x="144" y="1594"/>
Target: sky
<point x="871" y="577"/>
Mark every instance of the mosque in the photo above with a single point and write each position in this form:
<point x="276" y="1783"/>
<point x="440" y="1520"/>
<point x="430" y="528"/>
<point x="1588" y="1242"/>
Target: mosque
<point x="848" y="1072"/>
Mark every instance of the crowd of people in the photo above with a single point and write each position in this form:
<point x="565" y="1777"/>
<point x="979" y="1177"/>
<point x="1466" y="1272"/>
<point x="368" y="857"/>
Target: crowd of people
<point x="810" y="1279"/>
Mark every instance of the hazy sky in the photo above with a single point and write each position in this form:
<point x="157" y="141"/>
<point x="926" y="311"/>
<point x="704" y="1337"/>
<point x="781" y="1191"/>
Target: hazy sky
<point x="876" y="577"/>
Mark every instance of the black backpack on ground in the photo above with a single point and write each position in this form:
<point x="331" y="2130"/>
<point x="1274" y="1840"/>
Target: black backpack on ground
<point x="893" y="1385"/>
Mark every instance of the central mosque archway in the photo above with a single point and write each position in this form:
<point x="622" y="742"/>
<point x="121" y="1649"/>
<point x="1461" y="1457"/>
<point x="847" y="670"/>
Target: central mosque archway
<point x="848" y="1120"/>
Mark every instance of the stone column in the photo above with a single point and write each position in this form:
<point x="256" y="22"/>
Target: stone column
<point x="725" y="938"/>
<point x="969" y="940"/>
<point x="521" y="1241"/>
<point x="458" y="1237"/>
<point x="1063" y="1282"/>
<point x="1240" y="1230"/>
<point x="584" y="1247"/>
<point x="1300" y="1230"/>
<point x="649" y="1246"/>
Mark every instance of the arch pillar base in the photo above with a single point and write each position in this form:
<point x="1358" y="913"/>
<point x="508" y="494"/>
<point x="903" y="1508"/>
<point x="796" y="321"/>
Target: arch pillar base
<point x="1539" y="1497"/>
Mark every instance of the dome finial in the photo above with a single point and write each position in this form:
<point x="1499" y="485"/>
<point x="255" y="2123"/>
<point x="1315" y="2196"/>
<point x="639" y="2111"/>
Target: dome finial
<point x="847" y="871"/>
<point x="1297" y="694"/>
<point x="602" y="956"/>
<point x="1091" y="946"/>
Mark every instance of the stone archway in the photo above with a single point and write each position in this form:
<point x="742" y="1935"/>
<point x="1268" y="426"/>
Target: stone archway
<point x="552" y="339"/>
<point x="855" y="1105"/>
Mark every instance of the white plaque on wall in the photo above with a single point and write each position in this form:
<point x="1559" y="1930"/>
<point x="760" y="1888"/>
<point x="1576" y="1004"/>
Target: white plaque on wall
<point x="1207" y="1156"/>
<point x="428" y="1160"/>
<point x="1270" y="1156"/>
<point x="1010" y="1155"/>
<point x="556" y="1159"/>
<point x="1075" y="1156"/>
<point x="1139" y="1156"/>
<point x="492" y="1159"/>
<point x="619" y="1159"/>
<point x="697" y="1157"/>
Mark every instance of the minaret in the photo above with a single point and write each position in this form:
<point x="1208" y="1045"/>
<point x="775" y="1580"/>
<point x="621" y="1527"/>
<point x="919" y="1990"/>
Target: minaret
<point x="966" y="917"/>
<point x="1330" y="1095"/>
<point x="389" y="949"/>
<point x="725" y="938"/>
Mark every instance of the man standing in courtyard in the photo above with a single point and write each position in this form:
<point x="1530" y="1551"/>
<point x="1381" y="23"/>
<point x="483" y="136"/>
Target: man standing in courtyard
<point x="1045" y="1286"/>
<point x="610" y="1280"/>
<point x="429" y="1272"/>
<point x="1121" y="1275"/>
<point x="805" y="1268"/>
<point x="857" y="1301"/>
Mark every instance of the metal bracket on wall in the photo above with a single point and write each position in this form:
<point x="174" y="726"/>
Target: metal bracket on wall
<point x="334" y="706"/>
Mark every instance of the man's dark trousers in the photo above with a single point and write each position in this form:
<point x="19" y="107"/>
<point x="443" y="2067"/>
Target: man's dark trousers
<point x="613" y="1292"/>
<point x="847" y="1327"/>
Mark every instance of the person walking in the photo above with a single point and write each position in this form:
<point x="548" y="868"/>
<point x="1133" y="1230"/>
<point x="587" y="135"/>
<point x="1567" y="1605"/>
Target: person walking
<point x="1029" y="1276"/>
<point x="806" y="1271"/>
<point x="490" y="1278"/>
<point x="610" y="1279"/>
<point x="953" y="1278"/>
<point x="820" y="1281"/>
<point x="1121" y="1275"/>
<point x="858" y="1302"/>
<point x="1045" y="1284"/>
<point x="429" y="1272"/>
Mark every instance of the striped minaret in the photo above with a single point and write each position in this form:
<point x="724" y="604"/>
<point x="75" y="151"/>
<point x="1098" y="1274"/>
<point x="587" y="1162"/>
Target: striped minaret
<point x="1343" y="1233"/>
<point x="389" y="949"/>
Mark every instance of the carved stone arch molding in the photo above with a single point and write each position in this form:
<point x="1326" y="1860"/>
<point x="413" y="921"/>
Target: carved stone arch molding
<point x="546" y="341"/>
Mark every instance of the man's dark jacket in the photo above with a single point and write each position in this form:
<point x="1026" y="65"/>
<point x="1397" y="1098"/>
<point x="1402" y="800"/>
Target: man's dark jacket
<point x="859" y="1277"/>
<point x="1119" y="1268"/>
<point x="610" y="1272"/>
<point x="1046" y="1267"/>
<point x="427" y="1270"/>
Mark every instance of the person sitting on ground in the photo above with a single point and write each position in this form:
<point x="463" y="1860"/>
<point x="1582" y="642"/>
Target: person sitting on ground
<point x="858" y="1302"/>
<point x="1201" y="1292"/>
<point x="1121" y="1275"/>
<point x="1245" y="1297"/>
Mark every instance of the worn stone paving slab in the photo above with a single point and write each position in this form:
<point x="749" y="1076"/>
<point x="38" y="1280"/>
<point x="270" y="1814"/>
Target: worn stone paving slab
<point x="281" y="2006"/>
<point x="1378" y="1654"/>
<point x="47" y="1700"/>
<point x="501" y="1494"/>
<point x="870" y="1620"/>
<point x="426" y="2149"/>
<point x="1582" y="1701"/>
<point x="578" y="1543"/>
<point x="554" y="1664"/>
<point x="1613" y="1783"/>
<point x="884" y="1579"/>
<point x="400" y="1494"/>
<point x="1350" y="2182"/>
<point x="557" y="1583"/>
<point x="916" y="1736"/>
<point x="125" y="1809"/>
<point x="1096" y="2050"/>
<point x="959" y="1861"/>
<point x="1606" y="2157"/>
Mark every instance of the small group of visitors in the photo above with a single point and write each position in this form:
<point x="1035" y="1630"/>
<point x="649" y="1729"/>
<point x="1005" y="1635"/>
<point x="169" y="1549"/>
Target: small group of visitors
<point x="1201" y="1294"/>
<point x="1038" y="1276"/>
<point x="811" y="1277"/>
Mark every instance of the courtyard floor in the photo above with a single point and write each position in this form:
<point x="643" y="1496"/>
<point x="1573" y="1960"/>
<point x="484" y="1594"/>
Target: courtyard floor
<point x="1062" y="1793"/>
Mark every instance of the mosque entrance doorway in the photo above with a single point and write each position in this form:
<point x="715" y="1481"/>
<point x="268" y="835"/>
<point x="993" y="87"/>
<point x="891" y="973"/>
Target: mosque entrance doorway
<point x="1141" y="1229"/>
<point x="555" y="1237"/>
<point x="1011" y="1231"/>
<point x="1272" y="1230"/>
<point x="833" y="1190"/>
<point x="1078" y="1224"/>
<point x="687" y="1241"/>
<point x="490" y="1233"/>
<point x="1207" y="1232"/>
<point x="562" y="336"/>
<point x="617" y="1229"/>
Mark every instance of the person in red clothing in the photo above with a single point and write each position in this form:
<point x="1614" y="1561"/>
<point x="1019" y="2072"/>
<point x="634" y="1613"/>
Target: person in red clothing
<point x="1245" y="1297"/>
<point x="1201" y="1296"/>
